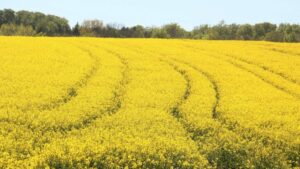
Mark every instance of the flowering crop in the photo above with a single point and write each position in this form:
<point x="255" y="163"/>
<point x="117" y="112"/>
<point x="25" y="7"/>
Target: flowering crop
<point x="136" y="103"/>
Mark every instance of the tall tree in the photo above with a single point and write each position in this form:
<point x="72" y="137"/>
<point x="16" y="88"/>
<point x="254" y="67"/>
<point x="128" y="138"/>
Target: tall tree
<point x="8" y="16"/>
<point x="262" y="29"/>
<point x="76" y="30"/>
<point x="245" y="32"/>
<point x="174" y="30"/>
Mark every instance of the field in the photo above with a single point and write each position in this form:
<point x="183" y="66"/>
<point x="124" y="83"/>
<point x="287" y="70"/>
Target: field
<point x="136" y="103"/>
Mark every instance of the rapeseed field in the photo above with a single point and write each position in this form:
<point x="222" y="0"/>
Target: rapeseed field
<point x="137" y="103"/>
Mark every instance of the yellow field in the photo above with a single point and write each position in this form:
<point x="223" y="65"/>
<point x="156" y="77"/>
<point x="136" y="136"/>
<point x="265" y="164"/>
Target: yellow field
<point x="136" y="103"/>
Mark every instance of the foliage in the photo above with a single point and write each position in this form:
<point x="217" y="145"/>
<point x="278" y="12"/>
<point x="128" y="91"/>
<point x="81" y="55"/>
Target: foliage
<point x="50" y="25"/>
<point x="42" y="24"/>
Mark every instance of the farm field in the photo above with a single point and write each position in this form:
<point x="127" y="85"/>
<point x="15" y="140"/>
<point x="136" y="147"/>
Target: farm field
<point x="137" y="103"/>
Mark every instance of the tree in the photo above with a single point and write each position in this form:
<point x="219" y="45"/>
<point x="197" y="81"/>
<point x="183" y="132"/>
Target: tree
<point x="13" y="29"/>
<point x="1" y="17"/>
<point x="275" y="36"/>
<point x="261" y="29"/>
<point x="291" y="32"/>
<point x="200" y="32"/>
<point x="159" y="33"/>
<point x="138" y="31"/>
<point x="92" y="24"/>
<point x="232" y="31"/>
<point x="218" y="32"/>
<point x="25" y="31"/>
<point x="8" y="29"/>
<point x="76" y="30"/>
<point x="245" y="32"/>
<point x="174" y="30"/>
<point x="8" y="16"/>
<point x="24" y="18"/>
<point x="92" y="28"/>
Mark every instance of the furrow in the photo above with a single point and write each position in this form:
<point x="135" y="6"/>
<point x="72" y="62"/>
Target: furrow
<point x="265" y="68"/>
<point x="245" y="133"/>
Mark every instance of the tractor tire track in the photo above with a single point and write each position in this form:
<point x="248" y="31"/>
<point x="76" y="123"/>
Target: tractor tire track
<point x="118" y="94"/>
<point x="245" y="133"/>
<point x="187" y="91"/>
<point x="116" y="100"/>
<point x="257" y="75"/>
<point x="267" y="69"/>
<point x="282" y="51"/>
<point x="266" y="80"/>
<point x="262" y="67"/>
<point x="211" y="80"/>
<point x="175" y="109"/>
<point x="71" y="92"/>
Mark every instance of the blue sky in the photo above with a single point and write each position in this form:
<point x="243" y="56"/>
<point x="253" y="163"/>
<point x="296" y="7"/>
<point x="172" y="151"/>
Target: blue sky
<point x="188" y="13"/>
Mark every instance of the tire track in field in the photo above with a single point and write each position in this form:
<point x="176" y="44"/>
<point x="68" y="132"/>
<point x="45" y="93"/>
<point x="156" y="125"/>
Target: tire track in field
<point x="177" y="112"/>
<point x="257" y="75"/>
<point x="175" y="109"/>
<point x="116" y="105"/>
<point x="282" y="51"/>
<point x="118" y="94"/>
<point x="247" y="133"/>
<point x="266" y="80"/>
<point x="116" y="99"/>
<point x="265" y="68"/>
<point x="71" y="92"/>
<point x="114" y="108"/>
<point x="262" y="67"/>
<point x="209" y="78"/>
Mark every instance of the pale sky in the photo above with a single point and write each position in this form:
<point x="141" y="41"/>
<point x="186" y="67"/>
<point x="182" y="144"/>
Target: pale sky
<point x="188" y="13"/>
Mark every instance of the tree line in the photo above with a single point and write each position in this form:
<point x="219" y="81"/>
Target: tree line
<point x="25" y="23"/>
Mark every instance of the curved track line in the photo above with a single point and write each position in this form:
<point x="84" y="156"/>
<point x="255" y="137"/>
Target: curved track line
<point x="278" y="87"/>
<point x="114" y="108"/>
<point x="117" y="104"/>
<point x="266" y="81"/>
<point x="281" y="51"/>
<point x="71" y="91"/>
<point x="234" y="126"/>
<point x="213" y="82"/>
<point x="265" y="68"/>
<point x="175" y="108"/>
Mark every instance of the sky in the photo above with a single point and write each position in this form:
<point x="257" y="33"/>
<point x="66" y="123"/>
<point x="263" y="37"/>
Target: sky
<point x="188" y="13"/>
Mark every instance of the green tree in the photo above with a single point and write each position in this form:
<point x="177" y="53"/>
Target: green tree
<point x="8" y="29"/>
<point x="24" y="18"/>
<point x="200" y="32"/>
<point x="245" y="32"/>
<point x="174" y="30"/>
<point x="1" y="17"/>
<point x="275" y="36"/>
<point x="261" y="29"/>
<point x="76" y="30"/>
<point x="25" y="31"/>
<point x="138" y="31"/>
<point x="8" y="16"/>
<point x="159" y="33"/>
